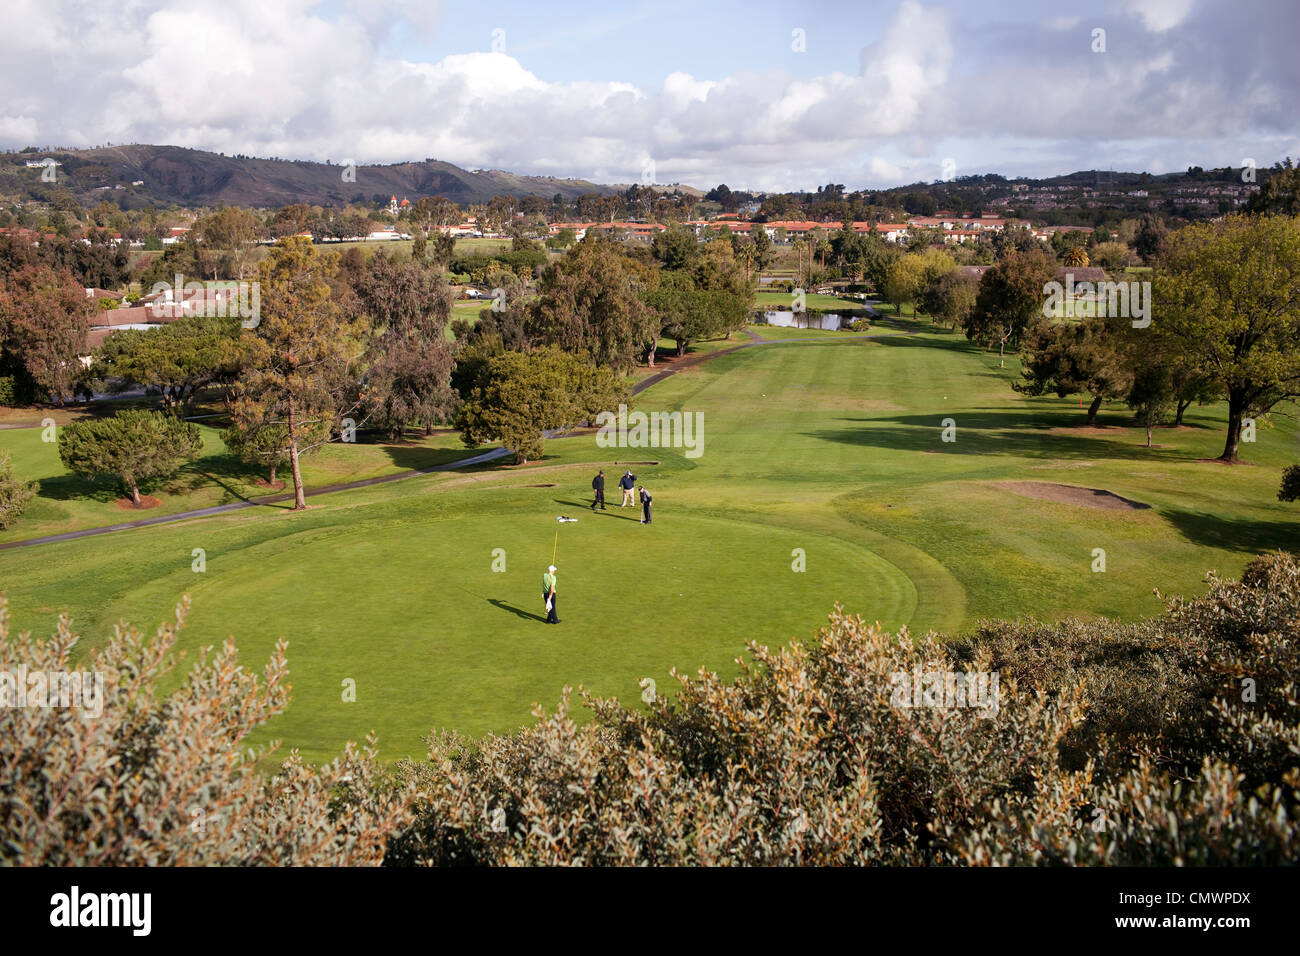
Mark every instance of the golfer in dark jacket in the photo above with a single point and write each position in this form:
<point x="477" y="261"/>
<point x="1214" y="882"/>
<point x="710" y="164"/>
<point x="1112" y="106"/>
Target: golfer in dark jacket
<point x="627" y="483"/>
<point x="598" y="486"/>
<point x="645" y="505"/>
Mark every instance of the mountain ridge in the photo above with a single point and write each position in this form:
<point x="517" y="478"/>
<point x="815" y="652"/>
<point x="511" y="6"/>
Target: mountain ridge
<point x="193" y="177"/>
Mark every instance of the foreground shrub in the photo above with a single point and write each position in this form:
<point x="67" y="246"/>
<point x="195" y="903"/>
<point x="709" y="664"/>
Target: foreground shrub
<point x="1250" y="660"/>
<point x="1143" y="684"/>
<point x="166" y="779"/>
<point x="1193" y="715"/>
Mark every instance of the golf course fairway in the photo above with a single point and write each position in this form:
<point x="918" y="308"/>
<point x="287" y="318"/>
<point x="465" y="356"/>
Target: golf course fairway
<point x="824" y="476"/>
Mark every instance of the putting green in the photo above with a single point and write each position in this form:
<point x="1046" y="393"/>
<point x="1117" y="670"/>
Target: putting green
<point x="465" y="647"/>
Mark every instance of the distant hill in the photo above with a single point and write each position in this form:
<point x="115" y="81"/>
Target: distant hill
<point x="193" y="177"/>
<point x="1085" y="197"/>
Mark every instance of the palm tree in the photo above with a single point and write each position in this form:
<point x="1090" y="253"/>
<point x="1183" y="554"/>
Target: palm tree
<point x="746" y="255"/>
<point x="823" y="247"/>
<point x="798" y="246"/>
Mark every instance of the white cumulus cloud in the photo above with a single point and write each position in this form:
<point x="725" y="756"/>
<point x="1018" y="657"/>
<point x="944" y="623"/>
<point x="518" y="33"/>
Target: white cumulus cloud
<point x="297" y="79"/>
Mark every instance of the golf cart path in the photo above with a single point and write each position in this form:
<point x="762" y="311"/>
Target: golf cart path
<point x="490" y="455"/>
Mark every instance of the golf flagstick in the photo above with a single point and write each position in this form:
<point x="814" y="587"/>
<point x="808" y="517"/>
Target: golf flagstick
<point x="554" y="548"/>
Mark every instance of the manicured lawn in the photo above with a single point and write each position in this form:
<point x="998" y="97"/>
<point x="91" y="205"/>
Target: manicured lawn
<point x="893" y="311"/>
<point x="820" y="442"/>
<point x="469" y="309"/>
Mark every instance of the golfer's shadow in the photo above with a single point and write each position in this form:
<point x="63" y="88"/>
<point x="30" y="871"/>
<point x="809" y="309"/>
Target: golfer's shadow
<point x="519" y="612"/>
<point x="612" y="511"/>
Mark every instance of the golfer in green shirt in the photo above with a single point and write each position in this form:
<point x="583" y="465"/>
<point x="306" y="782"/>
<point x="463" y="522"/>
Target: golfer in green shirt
<point x="548" y="595"/>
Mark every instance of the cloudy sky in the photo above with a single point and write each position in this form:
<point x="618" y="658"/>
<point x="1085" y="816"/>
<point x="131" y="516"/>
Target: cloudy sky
<point x="757" y="94"/>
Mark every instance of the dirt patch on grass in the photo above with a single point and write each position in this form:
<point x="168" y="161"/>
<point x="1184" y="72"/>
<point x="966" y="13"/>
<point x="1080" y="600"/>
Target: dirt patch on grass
<point x="276" y="485"/>
<point x="1074" y="495"/>
<point x="146" y="502"/>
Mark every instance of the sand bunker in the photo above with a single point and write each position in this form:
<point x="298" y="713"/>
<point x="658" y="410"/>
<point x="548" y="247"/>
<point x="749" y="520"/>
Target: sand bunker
<point x="1074" y="495"/>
